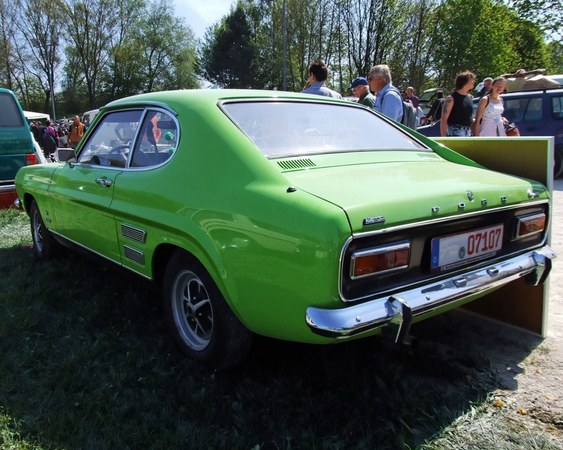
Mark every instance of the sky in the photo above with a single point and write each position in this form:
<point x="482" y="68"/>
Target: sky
<point x="200" y="14"/>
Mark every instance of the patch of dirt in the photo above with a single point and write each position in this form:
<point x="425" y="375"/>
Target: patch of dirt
<point x="538" y="399"/>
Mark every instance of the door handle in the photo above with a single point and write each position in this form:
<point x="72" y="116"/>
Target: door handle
<point x="104" y="181"/>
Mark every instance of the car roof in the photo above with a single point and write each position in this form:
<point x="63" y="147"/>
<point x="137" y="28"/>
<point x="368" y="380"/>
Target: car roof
<point x="534" y="92"/>
<point x="216" y="95"/>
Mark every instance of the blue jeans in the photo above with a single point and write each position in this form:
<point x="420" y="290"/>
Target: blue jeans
<point x="458" y="130"/>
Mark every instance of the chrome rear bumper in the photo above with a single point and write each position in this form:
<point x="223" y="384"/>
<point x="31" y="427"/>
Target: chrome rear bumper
<point x="400" y="308"/>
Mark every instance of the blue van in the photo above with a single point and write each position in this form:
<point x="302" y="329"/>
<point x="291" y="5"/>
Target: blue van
<point x="16" y="145"/>
<point x="536" y="113"/>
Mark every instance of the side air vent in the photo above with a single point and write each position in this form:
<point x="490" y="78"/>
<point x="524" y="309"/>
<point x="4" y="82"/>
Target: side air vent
<point x="294" y="164"/>
<point x="134" y="254"/>
<point x="133" y="233"/>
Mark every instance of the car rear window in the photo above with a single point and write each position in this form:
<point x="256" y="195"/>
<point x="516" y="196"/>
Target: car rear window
<point x="11" y="116"/>
<point x="281" y="129"/>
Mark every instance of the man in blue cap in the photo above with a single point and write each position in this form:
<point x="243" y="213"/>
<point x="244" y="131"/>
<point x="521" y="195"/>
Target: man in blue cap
<point x="360" y="89"/>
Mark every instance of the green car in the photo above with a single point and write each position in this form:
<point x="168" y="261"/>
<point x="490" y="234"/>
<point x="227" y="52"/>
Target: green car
<point x="292" y="216"/>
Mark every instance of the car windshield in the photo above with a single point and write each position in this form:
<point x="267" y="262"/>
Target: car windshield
<point x="427" y="95"/>
<point x="281" y="129"/>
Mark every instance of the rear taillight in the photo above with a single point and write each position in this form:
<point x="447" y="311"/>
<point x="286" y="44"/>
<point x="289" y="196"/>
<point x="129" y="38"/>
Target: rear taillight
<point x="530" y="225"/>
<point x="30" y="159"/>
<point x="379" y="260"/>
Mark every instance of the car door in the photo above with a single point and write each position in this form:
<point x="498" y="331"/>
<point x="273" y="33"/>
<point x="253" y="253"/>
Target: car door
<point x="527" y="111"/>
<point x="82" y="191"/>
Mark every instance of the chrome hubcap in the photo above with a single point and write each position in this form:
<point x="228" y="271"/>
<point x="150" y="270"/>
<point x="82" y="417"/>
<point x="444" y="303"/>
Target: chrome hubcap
<point x="193" y="311"/>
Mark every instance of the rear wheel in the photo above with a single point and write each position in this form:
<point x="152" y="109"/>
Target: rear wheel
<point x="44" y="244"/>
<point x="200" y="321"/>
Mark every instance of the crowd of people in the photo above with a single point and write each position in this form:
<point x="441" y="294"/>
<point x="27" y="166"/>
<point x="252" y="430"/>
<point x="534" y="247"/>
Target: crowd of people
<point x="57" y="134"/>
<point x="455" y="111"/>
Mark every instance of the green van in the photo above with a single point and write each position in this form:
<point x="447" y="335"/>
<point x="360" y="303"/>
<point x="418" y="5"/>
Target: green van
<point x="16" y="145"/>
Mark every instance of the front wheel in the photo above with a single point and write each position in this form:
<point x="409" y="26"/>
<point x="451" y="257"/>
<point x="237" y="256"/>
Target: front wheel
<point x="44" y="244"/>
<point x="200" y="321"/>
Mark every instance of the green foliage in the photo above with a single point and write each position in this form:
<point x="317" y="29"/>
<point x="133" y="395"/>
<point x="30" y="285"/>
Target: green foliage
<point x="486" y="37"/>
<point x="546" y="14"/>
<point x="117" y="48"/>
<point x="555" y="52"/>
<point x="230" y="55"/>
<point x="528" y="44"/>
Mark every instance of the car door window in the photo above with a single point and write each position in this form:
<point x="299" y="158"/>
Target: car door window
<point x="157" y="140"/>
<point x="557" y="107"/>
<point x="111" y="141"/>
<point x="514" y="109"/>
<point x="534" y="112"/>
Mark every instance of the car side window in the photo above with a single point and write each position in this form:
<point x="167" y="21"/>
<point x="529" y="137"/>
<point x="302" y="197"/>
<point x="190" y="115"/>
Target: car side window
<point x="157" y="140"/>
<point x="514" y="109"/>
<point x="534" y="112"/>
<point x="111" y="141"/>
<point x="557" y="107"/>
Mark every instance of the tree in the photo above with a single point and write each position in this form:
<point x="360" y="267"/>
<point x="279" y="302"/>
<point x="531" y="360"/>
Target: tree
<point x="547" y="14"/>
<point x="39" y="25"/>
<point x="229" y="52"/>
<point x="7" y="29"/>
<point x="167" y="49"/>
<point x="484" y="36"/>
<point x="90" y="27"/>
<point x="122" y="75"/>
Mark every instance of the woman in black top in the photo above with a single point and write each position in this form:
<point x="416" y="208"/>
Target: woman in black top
<point x="458" y="109"/>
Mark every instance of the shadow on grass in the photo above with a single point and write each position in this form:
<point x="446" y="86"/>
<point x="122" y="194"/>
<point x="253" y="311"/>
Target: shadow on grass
<point x="86" y="364"/>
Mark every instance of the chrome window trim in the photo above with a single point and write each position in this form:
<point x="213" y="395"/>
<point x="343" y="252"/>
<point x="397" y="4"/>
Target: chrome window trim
<point x="307" y="98"/>
<point x="145" y="109"/>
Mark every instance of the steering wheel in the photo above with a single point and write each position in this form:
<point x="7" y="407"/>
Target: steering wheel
<point x="120" y="149"/>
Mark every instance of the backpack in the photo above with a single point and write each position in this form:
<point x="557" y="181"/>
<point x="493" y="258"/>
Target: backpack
<point x="409" y="111"/>
<point x="409" y="115"/>
<point x="48" y="139"/>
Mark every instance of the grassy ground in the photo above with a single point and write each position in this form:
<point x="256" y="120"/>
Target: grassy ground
<point x="85" y="364"/>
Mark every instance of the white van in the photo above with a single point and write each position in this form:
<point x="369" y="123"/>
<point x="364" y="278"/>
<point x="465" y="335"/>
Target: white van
<point x="88" y="116"/>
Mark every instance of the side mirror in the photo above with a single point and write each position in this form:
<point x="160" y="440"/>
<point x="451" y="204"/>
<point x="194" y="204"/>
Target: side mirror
<point x="65" y="155"/>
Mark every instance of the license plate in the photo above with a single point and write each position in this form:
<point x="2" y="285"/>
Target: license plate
<point x="459" y="249"/>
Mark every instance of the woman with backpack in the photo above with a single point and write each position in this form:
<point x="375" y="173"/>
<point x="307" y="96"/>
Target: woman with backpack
<point x="50" y="139"/>
<point x="488" y="120"/>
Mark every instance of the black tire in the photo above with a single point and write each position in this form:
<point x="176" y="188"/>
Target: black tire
<point x="200" y="321"/>
<point x="44" y="244"/>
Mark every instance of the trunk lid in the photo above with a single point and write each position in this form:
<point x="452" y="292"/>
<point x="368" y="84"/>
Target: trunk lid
<point x="392" y="193"/>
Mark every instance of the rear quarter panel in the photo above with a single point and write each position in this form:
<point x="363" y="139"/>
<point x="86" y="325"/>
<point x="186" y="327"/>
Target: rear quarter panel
<point x="271" y="252"/>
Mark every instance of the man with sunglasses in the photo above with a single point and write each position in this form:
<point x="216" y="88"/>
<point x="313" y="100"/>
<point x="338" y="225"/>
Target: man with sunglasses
<point x="388" y="99"/>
